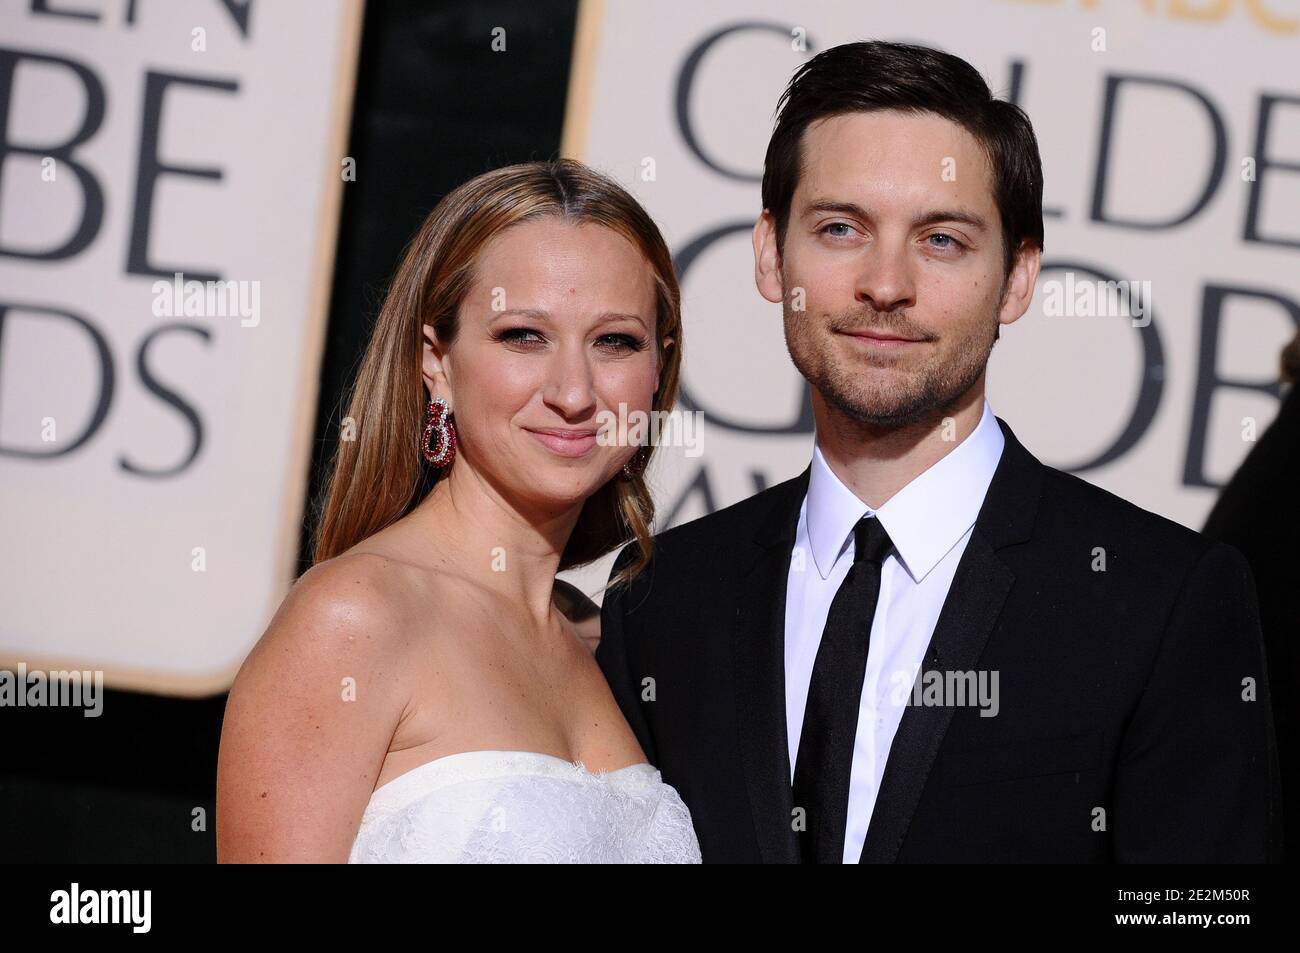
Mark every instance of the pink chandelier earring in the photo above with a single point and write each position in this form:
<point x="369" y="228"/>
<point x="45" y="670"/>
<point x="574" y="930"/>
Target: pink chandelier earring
<point x="439" y="441"/>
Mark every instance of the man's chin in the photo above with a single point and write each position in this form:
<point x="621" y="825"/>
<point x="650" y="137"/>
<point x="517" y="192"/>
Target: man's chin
<point x="888" y="419"/>
<point x="885" y="411"/>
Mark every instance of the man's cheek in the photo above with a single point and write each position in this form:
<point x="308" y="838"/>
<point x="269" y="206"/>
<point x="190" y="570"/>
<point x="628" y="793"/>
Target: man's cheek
<point x="827" y="288"/>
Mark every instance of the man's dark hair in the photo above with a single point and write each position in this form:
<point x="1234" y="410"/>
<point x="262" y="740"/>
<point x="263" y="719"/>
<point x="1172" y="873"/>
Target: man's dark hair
<point x="867" y="76"/>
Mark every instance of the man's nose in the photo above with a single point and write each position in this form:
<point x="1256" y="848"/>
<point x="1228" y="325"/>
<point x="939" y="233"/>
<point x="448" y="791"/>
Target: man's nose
<point x="885" y="280"/>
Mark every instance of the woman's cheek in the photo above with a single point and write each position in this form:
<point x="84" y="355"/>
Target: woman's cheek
<point x="631" y="388"/>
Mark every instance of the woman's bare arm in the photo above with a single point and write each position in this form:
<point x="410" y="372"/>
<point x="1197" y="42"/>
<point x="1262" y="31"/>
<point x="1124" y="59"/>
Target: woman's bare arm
<point x="310" y="717"/>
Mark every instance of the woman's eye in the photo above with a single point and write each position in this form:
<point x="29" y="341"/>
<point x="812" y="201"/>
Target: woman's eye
<point x="621" y="342"/>
<point x="609" y="342"/>
<point x="518" y="335"/>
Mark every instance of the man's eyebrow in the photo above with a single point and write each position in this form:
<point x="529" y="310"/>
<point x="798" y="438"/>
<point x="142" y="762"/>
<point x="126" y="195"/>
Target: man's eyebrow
<point x="841" y="208"/>
<point x="929" y="218"/>
<point x="950" y="215"/>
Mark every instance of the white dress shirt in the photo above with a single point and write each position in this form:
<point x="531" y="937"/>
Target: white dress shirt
<point x="929" y="522"/>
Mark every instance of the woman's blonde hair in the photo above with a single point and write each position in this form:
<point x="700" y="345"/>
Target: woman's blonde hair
<point x="381" y="475"/>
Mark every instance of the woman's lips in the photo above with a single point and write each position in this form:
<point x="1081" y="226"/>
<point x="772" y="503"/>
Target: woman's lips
<point x="566" y="443"/>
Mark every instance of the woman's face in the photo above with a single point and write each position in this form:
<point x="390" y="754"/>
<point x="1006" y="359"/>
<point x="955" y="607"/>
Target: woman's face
<point x="557" y="328"/>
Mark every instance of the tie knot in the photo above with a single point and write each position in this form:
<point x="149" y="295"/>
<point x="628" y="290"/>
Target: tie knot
<point x="871" y="542"/>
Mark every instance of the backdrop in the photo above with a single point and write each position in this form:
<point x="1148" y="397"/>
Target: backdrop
<point x="171" y="183"/>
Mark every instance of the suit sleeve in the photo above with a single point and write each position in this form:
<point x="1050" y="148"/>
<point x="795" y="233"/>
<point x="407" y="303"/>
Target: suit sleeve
<point x="1197" y="779"/>
<point x="613" y="655"/>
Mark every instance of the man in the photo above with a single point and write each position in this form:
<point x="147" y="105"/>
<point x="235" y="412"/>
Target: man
<point x="929" y="646"/>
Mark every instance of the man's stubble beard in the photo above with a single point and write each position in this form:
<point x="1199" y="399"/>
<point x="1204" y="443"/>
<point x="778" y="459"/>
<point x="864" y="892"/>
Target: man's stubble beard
<point x="920" y="397"/>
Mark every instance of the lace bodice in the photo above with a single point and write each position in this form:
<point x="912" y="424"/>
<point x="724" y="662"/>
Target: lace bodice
<point x="524" y="807"/>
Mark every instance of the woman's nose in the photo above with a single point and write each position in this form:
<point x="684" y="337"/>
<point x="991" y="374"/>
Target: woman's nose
<point x="570" y="385"/>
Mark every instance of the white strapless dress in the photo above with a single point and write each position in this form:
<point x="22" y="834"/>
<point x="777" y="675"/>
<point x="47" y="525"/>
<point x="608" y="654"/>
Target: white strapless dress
<point x="525" y="807"/>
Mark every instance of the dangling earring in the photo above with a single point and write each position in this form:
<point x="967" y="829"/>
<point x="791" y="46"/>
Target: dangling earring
<point x="640" y="458"/>
<point x="442" y="432"/>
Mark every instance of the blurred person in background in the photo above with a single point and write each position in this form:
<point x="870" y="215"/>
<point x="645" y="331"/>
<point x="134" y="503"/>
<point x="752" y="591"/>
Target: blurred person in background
<point x="1259" y="513"/>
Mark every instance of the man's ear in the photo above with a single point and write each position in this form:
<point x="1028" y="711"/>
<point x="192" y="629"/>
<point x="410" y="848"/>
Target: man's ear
<point x="767" y="259"/>
<point x="1018" y="289"/>
<point x="434" y="366"/>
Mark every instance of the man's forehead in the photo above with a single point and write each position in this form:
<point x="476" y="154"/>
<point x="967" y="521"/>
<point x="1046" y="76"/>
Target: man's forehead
<point x="888" y="151"/>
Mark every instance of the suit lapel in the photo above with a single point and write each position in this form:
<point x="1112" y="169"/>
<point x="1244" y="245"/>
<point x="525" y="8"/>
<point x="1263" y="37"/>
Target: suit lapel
<point x="975" y="598"/>
<point x="979" y="588"/>
<point x="759" y="654"/>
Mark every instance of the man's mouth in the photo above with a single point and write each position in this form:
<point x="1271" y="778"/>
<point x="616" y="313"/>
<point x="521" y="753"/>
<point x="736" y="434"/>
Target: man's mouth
<point x="882" y="339"/>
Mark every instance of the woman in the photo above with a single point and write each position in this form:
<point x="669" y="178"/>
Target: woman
<point x="420" y="695"/>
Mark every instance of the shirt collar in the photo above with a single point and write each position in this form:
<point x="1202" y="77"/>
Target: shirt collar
<point x="924" y="519"/>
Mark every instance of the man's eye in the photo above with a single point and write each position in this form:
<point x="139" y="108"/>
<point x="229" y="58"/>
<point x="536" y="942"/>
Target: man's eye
<point x="825" y="230"/>
<point x="946" y="241"/>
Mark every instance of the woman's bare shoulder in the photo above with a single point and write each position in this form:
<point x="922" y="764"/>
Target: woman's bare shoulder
<point x="353" y="593"/>
<point x="346" y="615"/>
<point x="310" y="715"/>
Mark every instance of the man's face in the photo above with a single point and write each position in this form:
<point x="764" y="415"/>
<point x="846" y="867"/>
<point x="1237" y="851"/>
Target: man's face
<point x="894" y="251"/>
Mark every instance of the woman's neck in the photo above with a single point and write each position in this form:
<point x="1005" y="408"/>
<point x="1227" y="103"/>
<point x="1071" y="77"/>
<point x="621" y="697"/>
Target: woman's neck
<point x="505" y="545"/>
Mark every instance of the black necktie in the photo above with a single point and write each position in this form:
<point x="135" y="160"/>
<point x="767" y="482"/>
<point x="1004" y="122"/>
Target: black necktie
<point x="830" y="721"/>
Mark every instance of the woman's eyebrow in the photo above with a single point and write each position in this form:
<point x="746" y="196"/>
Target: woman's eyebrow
<point x="534" y="313"/>
<point x="538" y="314"/>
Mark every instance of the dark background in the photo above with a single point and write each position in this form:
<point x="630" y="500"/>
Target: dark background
<point x="434" y="106"/>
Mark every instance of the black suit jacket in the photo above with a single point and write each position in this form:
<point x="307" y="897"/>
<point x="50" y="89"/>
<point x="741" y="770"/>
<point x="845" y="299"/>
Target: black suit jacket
<point x="1122" y="733"/>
